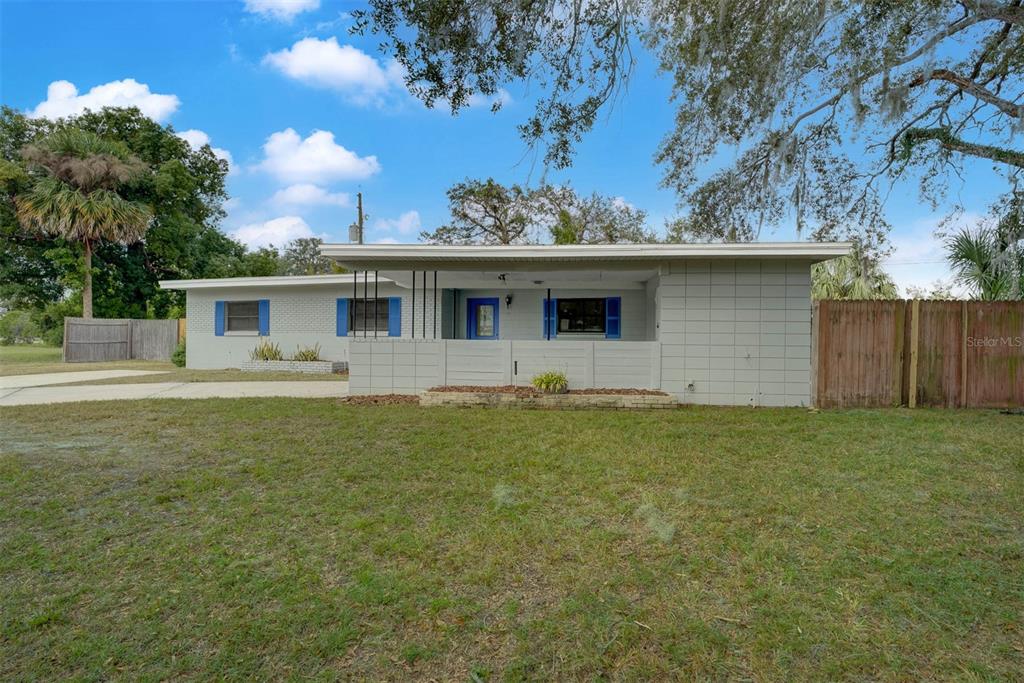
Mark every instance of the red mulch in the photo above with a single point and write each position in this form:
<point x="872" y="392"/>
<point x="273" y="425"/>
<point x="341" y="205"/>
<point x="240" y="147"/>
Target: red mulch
<point x="381" y="400"/>
<point x="530" y="391"/>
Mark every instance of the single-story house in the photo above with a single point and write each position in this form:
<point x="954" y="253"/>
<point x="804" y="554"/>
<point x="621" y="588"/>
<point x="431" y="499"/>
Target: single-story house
<point x="726" y="324"/>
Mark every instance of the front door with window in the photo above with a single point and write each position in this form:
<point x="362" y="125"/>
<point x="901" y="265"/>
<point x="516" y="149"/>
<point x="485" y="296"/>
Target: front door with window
<point x="482" y="318"/>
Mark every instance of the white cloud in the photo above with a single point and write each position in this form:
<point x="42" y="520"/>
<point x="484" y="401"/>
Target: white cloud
<point x="306" y="194"/>
<point x="386" y="240"/>
<point x="281" y="10"/>
<point x="197" y="138"/>
<point x="63" y="99"/>
<point x="344" y="68"/>
<point x="407" y="224"/>
<point x="502" y="98"/>
<point x="276" y="232"/>
<point x="317" y="158"/>
<point x="918" y="258"/>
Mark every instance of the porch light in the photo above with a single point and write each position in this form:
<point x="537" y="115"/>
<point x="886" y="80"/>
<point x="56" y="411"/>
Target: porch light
<point x="508" y="301"/>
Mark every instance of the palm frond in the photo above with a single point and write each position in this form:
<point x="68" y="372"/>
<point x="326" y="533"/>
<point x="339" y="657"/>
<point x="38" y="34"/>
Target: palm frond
<point x="52" y="207"/>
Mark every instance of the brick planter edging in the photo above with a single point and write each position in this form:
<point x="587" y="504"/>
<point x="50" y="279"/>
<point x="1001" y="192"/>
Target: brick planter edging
<point x="548" y="401"/>
<point x="311" y="367"/>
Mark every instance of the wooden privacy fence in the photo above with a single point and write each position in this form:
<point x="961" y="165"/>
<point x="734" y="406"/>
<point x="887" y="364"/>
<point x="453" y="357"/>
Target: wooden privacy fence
<point x="918" y="353"/>
<point x="105" y="339"/>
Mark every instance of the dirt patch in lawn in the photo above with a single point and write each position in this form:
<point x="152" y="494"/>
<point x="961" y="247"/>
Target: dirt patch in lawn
<point x="530" y="391"/>
<point x="381" y="400"/>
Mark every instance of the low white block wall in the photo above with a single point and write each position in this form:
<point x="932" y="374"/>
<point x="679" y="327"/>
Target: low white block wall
<point x="313" y="367"/>
<point x="409" y="366"/>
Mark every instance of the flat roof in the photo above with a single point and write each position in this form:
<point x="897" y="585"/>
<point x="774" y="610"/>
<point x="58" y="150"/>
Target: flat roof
<point x="396" y="255"/>
<point x="269" y="281"/>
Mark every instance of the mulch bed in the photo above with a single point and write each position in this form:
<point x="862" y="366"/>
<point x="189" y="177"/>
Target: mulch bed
<point x="381" y="400"/>
<point x="530" y="391"/>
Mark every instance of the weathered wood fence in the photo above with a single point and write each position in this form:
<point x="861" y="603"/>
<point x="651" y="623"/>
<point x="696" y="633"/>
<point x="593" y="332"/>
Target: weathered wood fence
<point x="918" y="353"/>
<point x="106" y="339"/>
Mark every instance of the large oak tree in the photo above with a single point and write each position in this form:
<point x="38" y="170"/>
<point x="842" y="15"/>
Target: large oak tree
<point x="822" y="103"/>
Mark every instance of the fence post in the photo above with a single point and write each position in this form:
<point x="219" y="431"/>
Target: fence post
<point x="915" y="309"/>
<point x="814" y="353"/>
<point x="900" y="321"/>
<point x="181" y="329"/>
<point x="963" y="354"/>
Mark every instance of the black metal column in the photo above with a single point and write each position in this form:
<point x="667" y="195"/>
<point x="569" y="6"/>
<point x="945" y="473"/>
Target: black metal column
<point x="366" y="275"/>
<point x="549" y="317"/>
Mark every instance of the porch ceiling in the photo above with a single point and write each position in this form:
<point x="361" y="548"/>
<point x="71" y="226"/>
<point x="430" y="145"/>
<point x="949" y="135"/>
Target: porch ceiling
<point x="540" y="279"/>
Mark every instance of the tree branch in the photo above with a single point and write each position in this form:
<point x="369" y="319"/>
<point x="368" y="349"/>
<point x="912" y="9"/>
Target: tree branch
<point x="971" y="88"/>
<point x="954" y="144"/>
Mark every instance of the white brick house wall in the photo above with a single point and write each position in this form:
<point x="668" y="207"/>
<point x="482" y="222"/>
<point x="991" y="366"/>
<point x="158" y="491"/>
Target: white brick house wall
<point x="298" y="316"/>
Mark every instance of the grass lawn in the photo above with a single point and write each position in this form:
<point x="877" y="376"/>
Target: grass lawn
<point x="284" y="538"/>
<point x="29" y="360"/>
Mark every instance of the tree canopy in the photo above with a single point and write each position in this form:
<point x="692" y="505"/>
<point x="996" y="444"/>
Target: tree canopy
<point x="823" y="104"/>
<point x="76" y="196"/>
<point x="184" y="189"/>
<point x="487" y="212"/>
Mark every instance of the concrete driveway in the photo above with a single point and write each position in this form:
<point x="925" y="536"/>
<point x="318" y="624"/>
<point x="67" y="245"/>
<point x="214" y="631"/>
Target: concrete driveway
<point x="39" y="395"/>
<point x="40" y="380"/>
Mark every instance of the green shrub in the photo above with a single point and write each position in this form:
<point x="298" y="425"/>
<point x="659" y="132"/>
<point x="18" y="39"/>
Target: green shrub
<point x="307" y="353"/>
<point x="265" y="350"/>
<point x="18" y="327"/>
<point x="178" y="357"/>
<point x="551" y="382"/>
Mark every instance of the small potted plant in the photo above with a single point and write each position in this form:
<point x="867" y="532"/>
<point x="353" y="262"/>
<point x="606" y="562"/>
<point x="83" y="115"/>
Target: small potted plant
<point x="551" y="382"/>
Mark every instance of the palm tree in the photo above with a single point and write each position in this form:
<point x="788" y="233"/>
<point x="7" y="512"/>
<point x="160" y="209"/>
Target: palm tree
<point x="76" y="195"/>
<point x="854" y="276"/>
<point x="989" y="260"/>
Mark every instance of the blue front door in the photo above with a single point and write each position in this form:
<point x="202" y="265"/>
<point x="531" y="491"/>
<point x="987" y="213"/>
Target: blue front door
<point x="481" y="318"/>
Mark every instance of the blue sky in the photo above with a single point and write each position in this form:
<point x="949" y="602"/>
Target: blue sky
<point x="309" y="115"/>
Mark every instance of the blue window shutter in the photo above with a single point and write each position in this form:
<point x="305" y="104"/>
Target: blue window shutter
<point x="613" y="317"/>
<point x="545" y="324"/>
<point x="553" y="318"/>
<point x="394" y="316"/>
<point x="218" y="318"/>
<point x="342" y="321"/>
<point x="264" y="317"/>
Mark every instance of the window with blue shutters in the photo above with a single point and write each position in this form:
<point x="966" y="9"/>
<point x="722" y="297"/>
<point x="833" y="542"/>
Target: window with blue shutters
<point x="613" y="317"/>
<point x="395" y="316"/>
<point x="341" y="321"/>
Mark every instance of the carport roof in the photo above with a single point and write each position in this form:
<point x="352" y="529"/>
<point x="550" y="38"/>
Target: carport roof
<point x="441" y="257"/>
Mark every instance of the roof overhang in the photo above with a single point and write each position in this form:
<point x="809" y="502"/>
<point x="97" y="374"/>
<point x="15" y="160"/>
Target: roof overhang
<point x="575" y="257"/>
<point x="274" y="281"/>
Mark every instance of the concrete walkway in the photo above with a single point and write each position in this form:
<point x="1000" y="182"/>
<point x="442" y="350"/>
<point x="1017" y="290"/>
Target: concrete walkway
<point x="41" y="380"/>
<point x="117" y="392"/>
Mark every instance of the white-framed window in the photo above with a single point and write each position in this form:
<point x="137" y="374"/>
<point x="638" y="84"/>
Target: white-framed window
<point x="242" y="316"/>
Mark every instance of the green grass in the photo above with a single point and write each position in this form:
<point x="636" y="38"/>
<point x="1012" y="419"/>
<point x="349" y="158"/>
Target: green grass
<point x="286" y="538"/>
<point x="27" y="354"/>
<point x="30" y="360"/>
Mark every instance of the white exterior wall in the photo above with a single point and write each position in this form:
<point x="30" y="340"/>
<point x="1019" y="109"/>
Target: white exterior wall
<point x="736" y="332"/>
<point x="524" y="319"/>
<point x="408" y="366"/>
<point x="303" y="316"/>
<point x="727" y="333"/>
